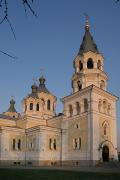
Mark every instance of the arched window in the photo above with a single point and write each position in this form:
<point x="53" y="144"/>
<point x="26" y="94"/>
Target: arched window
<point x="31" y="106"/>
<point x="78" y="108"/>
<point x="102" y="84"/>
<point x="104" y="106"/>
<point x="79" y="143"/>
<point x="54" y="144"/>
<point x="99" y="105"/>
<point x="80" y="65"/>
<point x="42" y="103"/>
<point x="105" y="126"/>
<point x="13" y="145"/>
<point x="105" y="129"/>
<point x="109" y="109"/>
<point x="75" y="143"/>
<point x="99" y="65"/>
<point x="85" y="105"/>
<point x="37" y="107"/>
<point x="50" y="143"/>
<point x="70" y="110"/>
<point x="77" y="126"/>
<point x="48" y="104"/>
<point x="79" y="85"/>
<point x="90" y="63"/>
<point x="19" y="144"/>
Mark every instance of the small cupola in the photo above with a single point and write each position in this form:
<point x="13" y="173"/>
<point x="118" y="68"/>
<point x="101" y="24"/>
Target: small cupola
<point x="42" y="80"/>
<point x="11" y="110"/>
<point x="42" y="86"/>
<point x="33" y="94"/>
<point x="34" y="88"/>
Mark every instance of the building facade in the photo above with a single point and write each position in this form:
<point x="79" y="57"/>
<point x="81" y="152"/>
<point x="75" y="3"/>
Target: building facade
<point x="84" y="134"/>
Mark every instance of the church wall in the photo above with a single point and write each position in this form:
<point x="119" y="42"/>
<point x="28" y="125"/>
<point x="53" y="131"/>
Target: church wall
<point x="7" y="122"/>
<point x="44" y="154"/>
<point x="104" y="125"/>
<point x="30" y="121"/>
<point x="55" y="122"/>
<point x="8" y="155"/>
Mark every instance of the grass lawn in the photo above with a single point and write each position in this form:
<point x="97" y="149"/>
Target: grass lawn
<point x="38" y="174"/>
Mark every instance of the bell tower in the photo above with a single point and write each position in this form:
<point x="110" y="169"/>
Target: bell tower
<point x="88" y="64"/>
<point x="90" y="111"/>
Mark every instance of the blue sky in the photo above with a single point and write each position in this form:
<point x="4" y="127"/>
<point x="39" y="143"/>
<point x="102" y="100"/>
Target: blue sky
<point x="51" y="42"/>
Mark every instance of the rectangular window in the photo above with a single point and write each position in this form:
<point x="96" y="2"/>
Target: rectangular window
<point x="50" y="143"/>
<point x="31" y="106"/>
<point x="54" y="144"/>
<point x="13" y="145"/>
<point x="19" y="144"/>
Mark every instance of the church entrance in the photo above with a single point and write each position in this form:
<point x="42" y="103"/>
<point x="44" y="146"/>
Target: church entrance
<point x="105" y="154"/>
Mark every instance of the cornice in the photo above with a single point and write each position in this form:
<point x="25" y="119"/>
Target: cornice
<point x="87" y="90"/>
<point x="104" y="93"/>
<point x="78" y="93"/>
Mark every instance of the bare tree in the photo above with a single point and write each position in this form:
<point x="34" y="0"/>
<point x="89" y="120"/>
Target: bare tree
<point x="4" y="9"/>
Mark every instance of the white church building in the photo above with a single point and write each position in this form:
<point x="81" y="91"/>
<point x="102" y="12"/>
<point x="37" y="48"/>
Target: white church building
<point x="84" y="134"/>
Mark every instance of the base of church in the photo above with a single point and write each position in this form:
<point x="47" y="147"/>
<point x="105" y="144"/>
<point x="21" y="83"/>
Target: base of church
<point x="34" y="163"/>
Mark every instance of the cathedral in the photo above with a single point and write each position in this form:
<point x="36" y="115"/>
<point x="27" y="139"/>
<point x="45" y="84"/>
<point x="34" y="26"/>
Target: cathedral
<point x="83" y="134"/>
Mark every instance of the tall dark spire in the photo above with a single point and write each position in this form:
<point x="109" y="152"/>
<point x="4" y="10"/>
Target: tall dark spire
<point x="88" y="43"/>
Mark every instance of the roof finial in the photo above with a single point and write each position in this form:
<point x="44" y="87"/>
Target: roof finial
<point x="87" y="25"/>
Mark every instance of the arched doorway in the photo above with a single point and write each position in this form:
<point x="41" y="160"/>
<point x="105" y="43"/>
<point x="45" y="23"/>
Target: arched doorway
<point x="105" y="154"/>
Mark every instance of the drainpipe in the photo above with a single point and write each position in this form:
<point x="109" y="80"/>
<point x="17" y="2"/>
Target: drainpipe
<point x="0" y="144"/>
<point x="25" y="148"/>
<point x="61" y="147"/>
<point x="91" y="127"/>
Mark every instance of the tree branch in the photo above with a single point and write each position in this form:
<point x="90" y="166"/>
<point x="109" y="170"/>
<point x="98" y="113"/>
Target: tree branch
<point x="13" y="57"/>
<point x="4" y="7"/>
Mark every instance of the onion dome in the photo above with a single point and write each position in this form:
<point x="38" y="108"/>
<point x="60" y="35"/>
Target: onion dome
<point x="42" y="86"/>
<point x="12" y="106"/>
<point x="34" y="88"/>
<point x="34" y="91"/>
